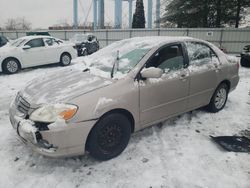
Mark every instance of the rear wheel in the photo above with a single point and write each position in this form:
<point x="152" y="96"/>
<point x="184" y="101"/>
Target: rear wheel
<point x="219" y="98"/>
<point x="109" y="137"/>
<point x="65" y="59"/>
<point x="11" y="66"/>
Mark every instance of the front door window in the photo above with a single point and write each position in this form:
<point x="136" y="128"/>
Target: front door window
<point x="168" y="59"/>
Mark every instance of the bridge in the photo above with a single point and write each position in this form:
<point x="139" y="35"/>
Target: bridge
<point x="99" y="13"/>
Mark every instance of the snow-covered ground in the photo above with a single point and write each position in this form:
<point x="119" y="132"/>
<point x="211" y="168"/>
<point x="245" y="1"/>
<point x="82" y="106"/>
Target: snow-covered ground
<point x="177" y="154"/>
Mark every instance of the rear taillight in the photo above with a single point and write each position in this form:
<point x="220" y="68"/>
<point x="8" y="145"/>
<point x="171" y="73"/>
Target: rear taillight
<point x="238" y="65"/>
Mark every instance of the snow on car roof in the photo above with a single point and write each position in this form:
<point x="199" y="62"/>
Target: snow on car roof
<point x="34" y="37"/>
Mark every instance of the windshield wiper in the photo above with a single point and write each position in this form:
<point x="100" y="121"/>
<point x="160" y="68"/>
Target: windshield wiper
<point x="115" y="62"/>
<point x="86" y="70"/>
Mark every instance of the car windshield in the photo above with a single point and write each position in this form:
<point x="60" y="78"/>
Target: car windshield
<point x="123" y="55"/>
<point x="18" y="42"/>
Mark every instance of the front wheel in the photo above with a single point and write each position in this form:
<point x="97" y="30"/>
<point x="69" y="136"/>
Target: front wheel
<point x="65" y="59"/>
<point x="109" y="137"/>
<point x="219" y="99"/>
<point x="11" y="66"/>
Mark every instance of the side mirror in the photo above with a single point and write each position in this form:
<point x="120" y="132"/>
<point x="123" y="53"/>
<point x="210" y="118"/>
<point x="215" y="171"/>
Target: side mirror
<point x="26" y="47"/>
<point x="151" y="72"/>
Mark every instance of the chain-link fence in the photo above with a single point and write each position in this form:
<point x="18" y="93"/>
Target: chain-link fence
<point x="233" y="40"/>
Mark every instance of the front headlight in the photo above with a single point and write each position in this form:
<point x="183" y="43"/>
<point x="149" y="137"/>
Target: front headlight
<point x="52" y="113"/>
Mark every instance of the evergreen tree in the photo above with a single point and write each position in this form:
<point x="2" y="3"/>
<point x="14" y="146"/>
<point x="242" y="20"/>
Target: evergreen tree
<point x="139" y="15"/>
<point x="205" y="13"/>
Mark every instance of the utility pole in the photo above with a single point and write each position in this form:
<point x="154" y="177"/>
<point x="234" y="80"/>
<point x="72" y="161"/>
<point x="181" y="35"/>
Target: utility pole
<point x="150" y="4"/>
<point x="118" y="14"/>
<point x="158" y="5"/>
<point x="75" y="14"/>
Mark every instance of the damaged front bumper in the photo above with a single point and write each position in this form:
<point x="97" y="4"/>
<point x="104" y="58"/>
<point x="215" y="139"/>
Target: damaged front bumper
<point x="28" y="132"/>
<point x="61" y="141"/>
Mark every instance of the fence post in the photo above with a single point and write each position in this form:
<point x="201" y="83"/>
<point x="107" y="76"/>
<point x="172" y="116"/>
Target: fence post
<point x="159" y="32"/>
<point x="17" y="34"/>
<point x="187" y="32"/>
<point x="107" y="39"/>
<point x="130" y="33"/>
<point x="65" y="35"/>
<point x="221" y="37"/>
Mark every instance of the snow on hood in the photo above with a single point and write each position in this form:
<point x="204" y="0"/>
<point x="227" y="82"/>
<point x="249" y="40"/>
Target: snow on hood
<point x="62" y="86"/>
<point x="79" y="38"/>
<point x="6" y="48"/>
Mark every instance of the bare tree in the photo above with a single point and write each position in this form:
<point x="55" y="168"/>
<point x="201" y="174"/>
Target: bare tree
<point x="17" y="24"/>
<point x="24" y="24"/>
<point x="10" y="24"/>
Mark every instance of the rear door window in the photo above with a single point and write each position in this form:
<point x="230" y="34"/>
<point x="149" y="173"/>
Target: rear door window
<point x="200" y="54"/>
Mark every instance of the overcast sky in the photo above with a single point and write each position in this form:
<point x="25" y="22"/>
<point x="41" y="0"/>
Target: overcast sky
<point x="44" y="13"/>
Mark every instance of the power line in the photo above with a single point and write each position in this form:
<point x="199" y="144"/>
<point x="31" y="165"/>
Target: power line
<point x="86" y="18"/>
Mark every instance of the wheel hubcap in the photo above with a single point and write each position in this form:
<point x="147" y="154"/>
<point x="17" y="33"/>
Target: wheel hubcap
<point x="12" y="66"/>
<point x="220" y="98"/>
<point x="66" y="60"/>
<point x="110" y="137"/>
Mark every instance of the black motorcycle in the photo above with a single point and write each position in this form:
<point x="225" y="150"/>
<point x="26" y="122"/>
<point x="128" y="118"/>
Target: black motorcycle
<point x="85" y="44"/>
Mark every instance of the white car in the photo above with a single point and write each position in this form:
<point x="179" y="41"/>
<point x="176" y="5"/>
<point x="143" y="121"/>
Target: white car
<point x="33" y="51"/>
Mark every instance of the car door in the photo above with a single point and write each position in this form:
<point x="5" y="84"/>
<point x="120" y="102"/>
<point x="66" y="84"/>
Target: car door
<point x="53" y="50"/>
<point x="36" y="54"/>
<point x="166" y="96"/>
<point x="204" y="68"/>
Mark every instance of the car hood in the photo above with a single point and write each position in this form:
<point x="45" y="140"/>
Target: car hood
<point x="7" y="48"/>
<point x="61" y="86"/>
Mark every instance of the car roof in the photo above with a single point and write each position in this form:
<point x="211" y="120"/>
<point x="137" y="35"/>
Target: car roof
<point x="166" y="39"/>
<point x="156" y="41"/>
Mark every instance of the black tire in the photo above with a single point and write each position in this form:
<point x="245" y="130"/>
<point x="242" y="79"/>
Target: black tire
<point x="217" y="103"/>
<point x="244" y="62"/>
<point x="65" y="59"/>
<point x="11" y="66"/>
<point x="109" y="137"/>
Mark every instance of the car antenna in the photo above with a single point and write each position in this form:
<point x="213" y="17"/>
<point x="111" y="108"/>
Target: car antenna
<point x="116" y="61"/>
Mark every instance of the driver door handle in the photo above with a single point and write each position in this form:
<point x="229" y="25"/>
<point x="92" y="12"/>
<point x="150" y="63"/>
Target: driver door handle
<point x="183" y="77"/>
<point x="217" y="68"/>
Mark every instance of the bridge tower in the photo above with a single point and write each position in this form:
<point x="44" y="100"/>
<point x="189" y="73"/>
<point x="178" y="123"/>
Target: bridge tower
<point x="98" y="13"/>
